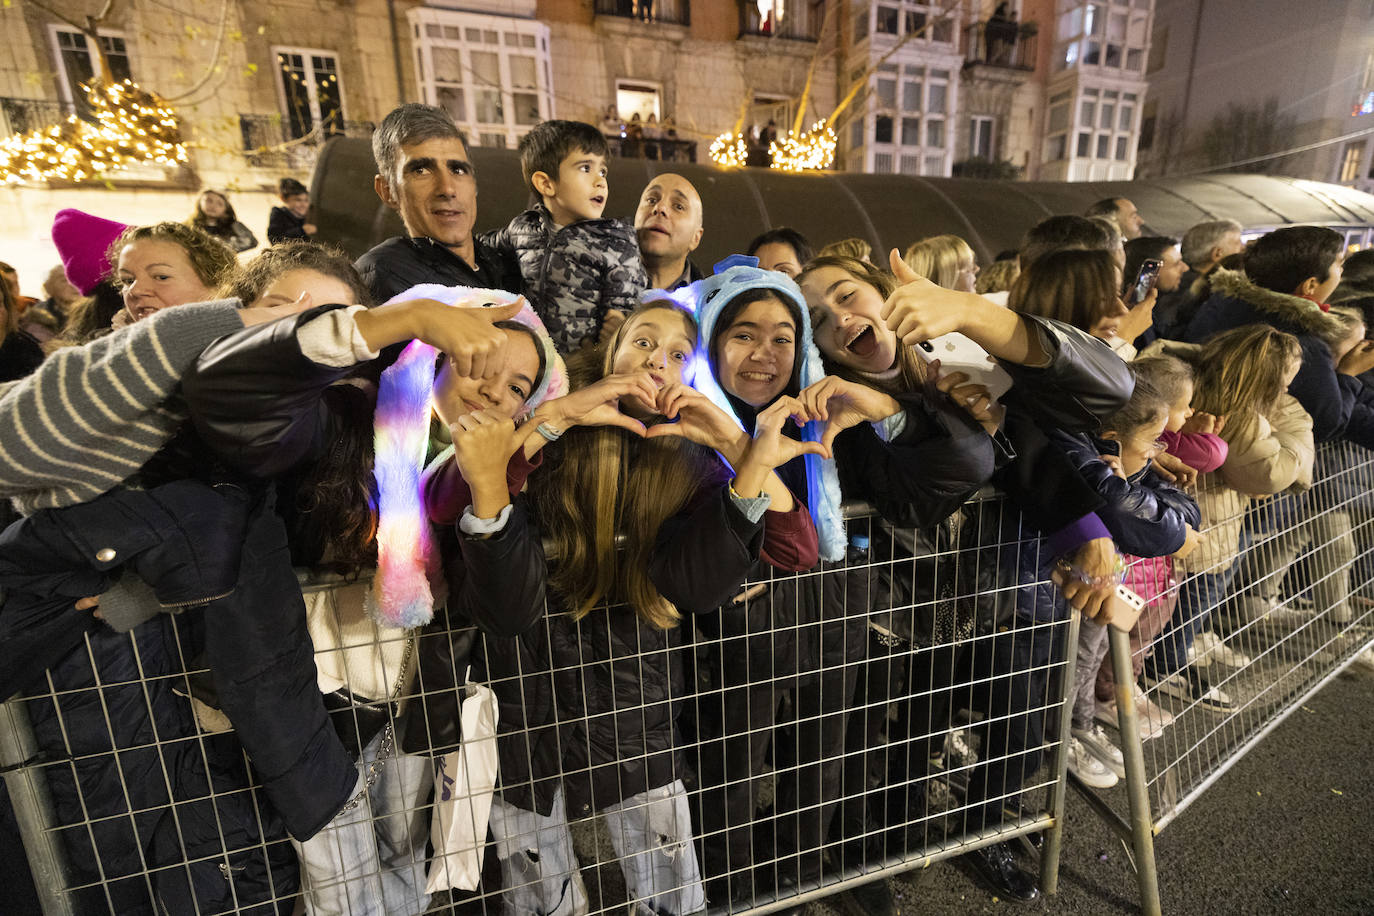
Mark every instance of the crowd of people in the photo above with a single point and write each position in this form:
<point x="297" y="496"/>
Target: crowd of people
<point x="608" y="485"/>
<point x="645" y="137"/>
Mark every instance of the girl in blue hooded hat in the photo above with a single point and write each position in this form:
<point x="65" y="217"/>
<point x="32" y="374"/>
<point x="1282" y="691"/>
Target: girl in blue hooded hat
<point x="784" y="642"/>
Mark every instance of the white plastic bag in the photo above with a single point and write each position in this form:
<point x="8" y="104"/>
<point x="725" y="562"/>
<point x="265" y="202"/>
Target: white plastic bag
<point x="464" y="781"/>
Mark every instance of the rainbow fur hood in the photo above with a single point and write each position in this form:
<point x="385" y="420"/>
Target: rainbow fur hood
<point x="709" y="297"/>
<point x="407" y="561"/>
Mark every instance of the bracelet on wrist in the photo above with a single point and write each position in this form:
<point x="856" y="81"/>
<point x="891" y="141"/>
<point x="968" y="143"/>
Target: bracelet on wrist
<point x="1075" y="572"/>
<point x="550" y="432"/>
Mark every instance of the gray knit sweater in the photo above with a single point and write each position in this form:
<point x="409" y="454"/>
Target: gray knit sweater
<point x="93" y="415"/>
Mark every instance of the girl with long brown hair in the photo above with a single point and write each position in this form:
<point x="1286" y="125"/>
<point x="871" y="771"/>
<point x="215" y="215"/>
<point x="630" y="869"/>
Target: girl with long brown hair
<point x="600" y="676"/>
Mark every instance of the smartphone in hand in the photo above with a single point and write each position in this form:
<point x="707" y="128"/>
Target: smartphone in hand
<point x="958" y="353"/>
<point x="1144" y="281"/>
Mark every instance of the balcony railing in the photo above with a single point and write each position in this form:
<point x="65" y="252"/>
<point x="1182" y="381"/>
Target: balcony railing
<point x="799" y="22"/>
<point x="662" y="149"/>
<point x="267" y="140"/>
<point x="19" y="116"/>
<point x="675" y="12"/>
<point x="1000" y="43"/>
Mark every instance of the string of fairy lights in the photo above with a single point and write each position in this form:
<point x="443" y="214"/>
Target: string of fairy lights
<point x="132" y="127"/>
<point x="793" y="152"/>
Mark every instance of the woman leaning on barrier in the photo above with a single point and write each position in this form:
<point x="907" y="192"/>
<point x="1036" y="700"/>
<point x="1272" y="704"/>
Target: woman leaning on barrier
<point x="868" y="326"/>
<point x="111" y="406"/>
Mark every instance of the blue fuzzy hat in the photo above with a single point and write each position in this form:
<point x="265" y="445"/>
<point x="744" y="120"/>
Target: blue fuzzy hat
<point x="709" y="297"/>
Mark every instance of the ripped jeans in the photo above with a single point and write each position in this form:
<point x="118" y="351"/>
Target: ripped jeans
<point x="370" y="860"/>
<point x="652" y="836"/>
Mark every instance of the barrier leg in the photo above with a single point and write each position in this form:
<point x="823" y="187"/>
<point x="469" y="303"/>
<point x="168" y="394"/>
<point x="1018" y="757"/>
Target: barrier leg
<point x="28" y="792"/>
<point x="1054" y="838"/>
<point x="1142" y="825"/>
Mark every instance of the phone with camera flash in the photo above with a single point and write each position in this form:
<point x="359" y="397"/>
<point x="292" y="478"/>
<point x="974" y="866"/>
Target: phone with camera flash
<point x="958" y="353"/>
<point x="1144" y="281"/>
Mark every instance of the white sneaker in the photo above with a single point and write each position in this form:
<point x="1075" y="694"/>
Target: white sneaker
<point x="1089" y="770"/>
<point x="1101" y="747"/>
<point x="1211" y="648"/>
<point x="958" y="753"/>
<point x="1192" y="686"/>
<point x="1150" y="718"/>
<point x="1287" y="616"/>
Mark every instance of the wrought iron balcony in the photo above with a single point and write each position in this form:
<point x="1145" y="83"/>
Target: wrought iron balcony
<point x="19" y="116"/>
<point x="674" y="12"/>
<point x="267" y="140"/>
<point x="1000" y="43"/>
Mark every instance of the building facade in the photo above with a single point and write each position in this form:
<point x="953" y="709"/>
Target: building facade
<point x="1234" y="82"/>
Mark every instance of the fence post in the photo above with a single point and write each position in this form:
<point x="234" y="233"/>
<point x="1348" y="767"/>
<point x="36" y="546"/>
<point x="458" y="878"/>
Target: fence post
<point x="1137" y="790"/>
<point x="28" y="791"/>
<point x="1059" y="765"/>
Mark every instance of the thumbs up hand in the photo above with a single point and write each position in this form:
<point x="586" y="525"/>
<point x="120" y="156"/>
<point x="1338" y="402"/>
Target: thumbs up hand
<point x="919" y="310"/>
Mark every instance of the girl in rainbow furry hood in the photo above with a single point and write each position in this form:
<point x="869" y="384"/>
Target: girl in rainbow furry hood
<point x="294" y="402"/>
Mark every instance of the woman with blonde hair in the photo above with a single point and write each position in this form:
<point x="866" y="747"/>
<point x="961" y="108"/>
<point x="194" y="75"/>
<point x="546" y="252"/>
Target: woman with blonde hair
<point x="1241" y="384"/>
<point x="945" y="260"/>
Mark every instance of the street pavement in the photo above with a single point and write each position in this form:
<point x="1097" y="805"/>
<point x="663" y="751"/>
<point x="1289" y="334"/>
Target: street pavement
<point x="1287" y="830"/>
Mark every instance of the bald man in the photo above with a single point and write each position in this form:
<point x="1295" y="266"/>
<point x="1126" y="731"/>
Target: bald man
<point x="668" y="225"/>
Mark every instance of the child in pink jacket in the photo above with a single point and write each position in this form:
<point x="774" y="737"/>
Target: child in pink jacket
<point x="1192" y="438"/>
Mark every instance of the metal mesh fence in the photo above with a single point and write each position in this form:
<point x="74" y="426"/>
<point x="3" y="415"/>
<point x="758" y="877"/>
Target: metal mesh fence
<point x="1278" y="599"/>
<point x="821" y="730"/>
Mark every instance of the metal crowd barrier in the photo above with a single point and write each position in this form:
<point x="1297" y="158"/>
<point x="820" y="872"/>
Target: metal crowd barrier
<point x="868" y="744"/>
<point x="1298" y="609"/>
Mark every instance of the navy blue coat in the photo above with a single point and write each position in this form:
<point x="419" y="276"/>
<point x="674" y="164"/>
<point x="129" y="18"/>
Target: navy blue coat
<point x="1146" y="516"/>
<point x="1337" y="412"/>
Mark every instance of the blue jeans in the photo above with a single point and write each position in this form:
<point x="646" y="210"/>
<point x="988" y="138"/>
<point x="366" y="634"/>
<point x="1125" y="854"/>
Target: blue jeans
<point x="370" y="861"/>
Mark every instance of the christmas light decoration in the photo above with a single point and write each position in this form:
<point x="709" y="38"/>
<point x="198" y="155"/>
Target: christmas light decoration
<point x="132" y="127"/>
<point x="810" y="150"/>
<point x="729" y="150"/>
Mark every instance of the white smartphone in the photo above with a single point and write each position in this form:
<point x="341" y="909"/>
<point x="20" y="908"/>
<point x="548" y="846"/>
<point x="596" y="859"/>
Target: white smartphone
<point x="958" y="353"/>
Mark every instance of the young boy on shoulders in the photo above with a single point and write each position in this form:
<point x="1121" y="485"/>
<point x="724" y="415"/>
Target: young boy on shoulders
<point x="582" y="273"/>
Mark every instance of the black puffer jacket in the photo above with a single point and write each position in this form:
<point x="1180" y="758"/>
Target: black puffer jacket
<point x="399" y="263"/>
<point x="123" y="697"/>
<point x="620" y="683"/>
<point x="574" y="274"/>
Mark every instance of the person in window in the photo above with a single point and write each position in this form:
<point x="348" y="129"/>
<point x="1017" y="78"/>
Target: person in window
<point x="215" y="216"/>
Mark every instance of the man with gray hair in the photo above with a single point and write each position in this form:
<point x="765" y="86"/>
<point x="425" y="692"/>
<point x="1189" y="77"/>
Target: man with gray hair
<point x="424" y="174"/>
<point x="1203" y="248"/>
